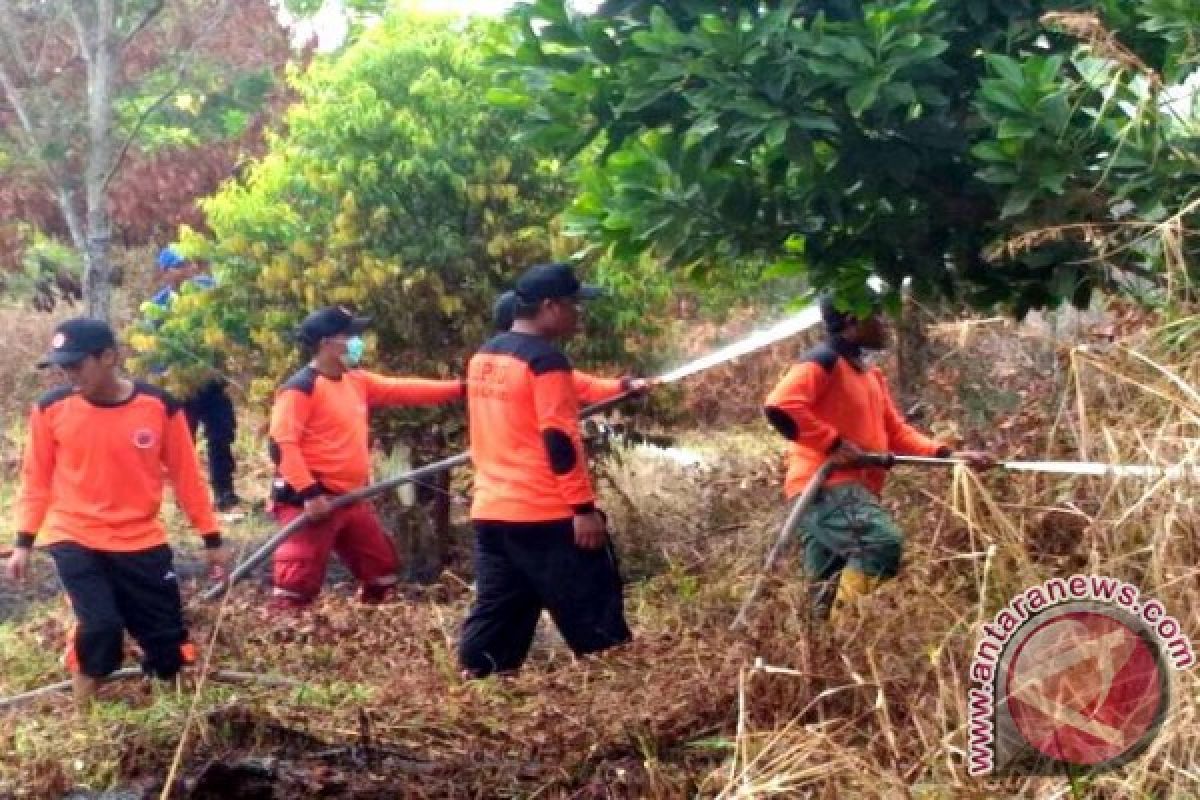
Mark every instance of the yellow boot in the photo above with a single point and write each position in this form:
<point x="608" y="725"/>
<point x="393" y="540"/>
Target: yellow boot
<point x="853" y="585"/>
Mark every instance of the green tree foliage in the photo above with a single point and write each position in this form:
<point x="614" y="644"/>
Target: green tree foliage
<point x="395" y="189"/>
<point x="1094" y="145"/>
<point x="829" y="139"/>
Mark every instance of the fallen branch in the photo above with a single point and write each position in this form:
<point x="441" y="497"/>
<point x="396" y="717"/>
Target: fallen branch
<point x="221" y="676"/>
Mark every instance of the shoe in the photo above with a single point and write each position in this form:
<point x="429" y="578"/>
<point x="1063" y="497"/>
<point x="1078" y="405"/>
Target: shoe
<point x="374" y="595"/>
<point x="227" y="501"/>
<point x="285" y="604"/>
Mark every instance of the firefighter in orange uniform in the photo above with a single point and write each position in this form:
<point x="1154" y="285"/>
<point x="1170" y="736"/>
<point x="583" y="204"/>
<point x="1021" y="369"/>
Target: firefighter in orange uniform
<point x="319" y="441"/>
<point x="100" y="450"/>
<point x="540" y="541"/>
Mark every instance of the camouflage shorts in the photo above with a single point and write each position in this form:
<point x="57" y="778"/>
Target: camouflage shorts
<point x="846" y="526"/>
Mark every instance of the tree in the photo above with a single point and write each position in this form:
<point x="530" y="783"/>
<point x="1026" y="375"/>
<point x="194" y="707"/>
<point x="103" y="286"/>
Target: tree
<point x="1093" y="146"/>
<point x="393" y="188"/>
<point x="830" y="139"/>
<point x="86" y="82"/>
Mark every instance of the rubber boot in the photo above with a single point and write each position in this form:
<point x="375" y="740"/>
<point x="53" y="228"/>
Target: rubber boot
<point x="853" y="586"/>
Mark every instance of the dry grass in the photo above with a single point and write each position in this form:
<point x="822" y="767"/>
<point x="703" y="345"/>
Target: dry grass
<point x="877" y="709"/>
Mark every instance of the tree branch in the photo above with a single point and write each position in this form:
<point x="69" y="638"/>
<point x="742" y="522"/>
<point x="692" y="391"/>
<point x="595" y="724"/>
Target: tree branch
<point x="187" y="59"/>
<point x="85" y="44"/>
<point x="146" y="19"/>
<point x="13" y="94"/>
<point x="52" y="31"/>
<point x="34" y="146"/>
<point x="9" y="27"/>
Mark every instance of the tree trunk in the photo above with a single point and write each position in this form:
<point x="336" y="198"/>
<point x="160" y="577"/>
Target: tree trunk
<point x="101" y="64"/>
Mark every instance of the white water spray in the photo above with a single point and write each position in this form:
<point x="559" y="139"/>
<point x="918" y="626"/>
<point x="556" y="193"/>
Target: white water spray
<point x="1176" y="472"/>
<point x="784" y="329"/>
<point x="1173" y="473"/>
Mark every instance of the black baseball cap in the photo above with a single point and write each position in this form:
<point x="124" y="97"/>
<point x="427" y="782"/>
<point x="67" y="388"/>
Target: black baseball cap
<point x="330" y="321"/>
<point x="836" y="320"/>
<point x="75" y="340"/>
<point x="552" y="281"/>
<point x="504" y="311"/>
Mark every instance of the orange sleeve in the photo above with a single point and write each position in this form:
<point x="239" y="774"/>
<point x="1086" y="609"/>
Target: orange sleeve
<point x="904" y="439"/>
<point x="790" y="407"/>
<point x="183" y="471"/>
<point x="593" y="389"/>
<point x="289" y="415"/>
<point x="37" y="473"/>
<point x="385" y="391"/>
<point x="557" y="410"/>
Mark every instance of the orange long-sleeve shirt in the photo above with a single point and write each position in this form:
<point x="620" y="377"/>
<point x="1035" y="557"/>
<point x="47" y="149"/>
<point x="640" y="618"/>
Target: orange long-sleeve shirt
<point x="594" y="389"/>
<point x="828" y="397"/>
<point x="95" y="474"/>
<point x="523" y="414"/>
<point x="319" y="426"/>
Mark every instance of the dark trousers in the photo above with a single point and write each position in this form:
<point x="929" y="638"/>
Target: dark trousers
<point x="212" y="408"/>
<point x="111" y="592"/>
<point x="524" y="568"/>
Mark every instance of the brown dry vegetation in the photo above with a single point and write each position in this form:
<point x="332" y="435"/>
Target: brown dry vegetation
<point x="877" y="709"/>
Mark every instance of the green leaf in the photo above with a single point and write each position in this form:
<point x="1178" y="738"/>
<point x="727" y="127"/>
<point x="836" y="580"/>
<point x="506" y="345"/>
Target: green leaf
<point x="1018" y="201"/>
<point x="502" y="97"/>
<point x="1007" y="68"/>
<point x="814" y="122"/>
<point x="854" y="51"/>
<point x="862" y="96"/>
<point x="795" y="244"/>
<point x="1016" y="128"/>
<point x="999" y="94"/>
<point x="713" y="24"/>
<point x="784" y="268"/>
<point x="598" y="41"/>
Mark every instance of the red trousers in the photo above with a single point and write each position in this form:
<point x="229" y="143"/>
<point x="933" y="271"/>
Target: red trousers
<point x="354" y="533"/>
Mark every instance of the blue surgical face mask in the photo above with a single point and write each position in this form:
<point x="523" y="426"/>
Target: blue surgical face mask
<point x="355" y="348"/>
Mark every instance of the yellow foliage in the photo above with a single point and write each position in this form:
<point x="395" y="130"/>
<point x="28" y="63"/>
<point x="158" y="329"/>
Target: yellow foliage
<point x="497" y="245"/>
<point x="304" y="250"/>
<point x="215" y="338"/>
<point x="348" y="295"/>
<point x="262" y="388"/>
<point x="237" y="244"/>
<point x="450" y="304"/>
<point x="326" y="271"/>
<point x="143" y="342"/>
<point x="501" y="168"/>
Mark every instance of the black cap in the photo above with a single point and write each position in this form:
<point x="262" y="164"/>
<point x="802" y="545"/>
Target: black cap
<point x="552" y="281"/>
<point x="504" y="311"/>
<point x="330" y="321"/>
<point x="75" y="340"/>
<point x="836" y="320"/>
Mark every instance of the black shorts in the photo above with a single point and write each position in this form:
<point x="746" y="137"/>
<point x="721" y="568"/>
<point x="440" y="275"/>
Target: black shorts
<point x="524" y="568"/>
<point x="114" y="592"/>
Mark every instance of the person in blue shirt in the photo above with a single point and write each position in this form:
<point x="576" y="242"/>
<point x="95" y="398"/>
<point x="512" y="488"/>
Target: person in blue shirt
<point x="210" y="406"/>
